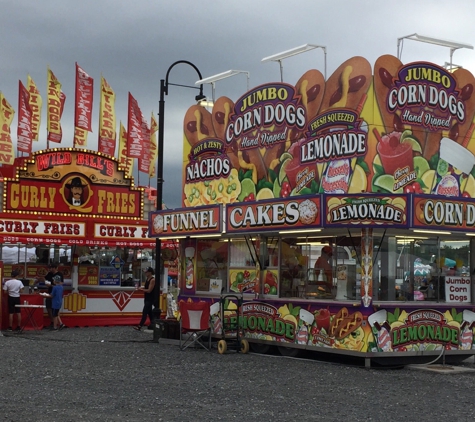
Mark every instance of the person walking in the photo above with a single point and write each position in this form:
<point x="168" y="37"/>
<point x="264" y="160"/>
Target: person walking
<point x="149" y="290"/>
<point x="13" y="288"/>
<point x="56" y="299"/>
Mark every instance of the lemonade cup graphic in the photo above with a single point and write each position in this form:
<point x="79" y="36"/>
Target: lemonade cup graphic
<point x="394" y="158"/>
<point x="455" y="164"/>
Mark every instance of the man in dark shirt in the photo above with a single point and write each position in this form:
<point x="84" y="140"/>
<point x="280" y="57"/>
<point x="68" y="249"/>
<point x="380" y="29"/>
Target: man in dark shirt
<point x="149" y="296"/>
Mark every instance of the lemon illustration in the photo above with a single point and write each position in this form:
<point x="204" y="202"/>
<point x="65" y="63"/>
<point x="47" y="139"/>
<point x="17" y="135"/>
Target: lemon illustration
<point x="285" y="156"/>
<point x="333" y="202"/>
<point x="247" y="187"/>
<point x="415" y="145"/>
<point x="264" y="193"/>
<point x="376" y="162"/>
<point x="359" y="182"/>
<point x="428" y="178"/>
<point x="386" y="181"/>
<point x="399" y="202"/>
<point x="405" y="134"/>
<point x="421" y="165"/>
<point x="283" y="170"/>
<point x="470" y="186"/>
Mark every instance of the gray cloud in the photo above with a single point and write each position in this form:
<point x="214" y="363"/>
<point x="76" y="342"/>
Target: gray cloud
<point x="132" y="44"/>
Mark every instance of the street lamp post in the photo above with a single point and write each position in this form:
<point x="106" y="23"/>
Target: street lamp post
<point x="164" y="84"/>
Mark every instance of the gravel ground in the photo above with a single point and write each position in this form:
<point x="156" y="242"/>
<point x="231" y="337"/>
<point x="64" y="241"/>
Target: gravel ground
<point x="118" y="374"/>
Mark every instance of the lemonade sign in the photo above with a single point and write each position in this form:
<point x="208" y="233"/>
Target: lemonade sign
<point x="387" y="127"/>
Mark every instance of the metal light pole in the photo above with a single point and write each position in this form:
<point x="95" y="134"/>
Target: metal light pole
<point x="161" y="118"/>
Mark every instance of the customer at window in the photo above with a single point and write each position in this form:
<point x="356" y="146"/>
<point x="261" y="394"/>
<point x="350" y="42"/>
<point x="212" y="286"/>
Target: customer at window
<point x="13" y="288"/>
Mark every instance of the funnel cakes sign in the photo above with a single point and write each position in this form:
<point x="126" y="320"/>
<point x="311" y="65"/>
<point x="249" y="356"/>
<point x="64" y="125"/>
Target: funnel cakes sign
<point x="68" y="181"/>
<point x="299" y="213"/>
<point x="382" y="128"/>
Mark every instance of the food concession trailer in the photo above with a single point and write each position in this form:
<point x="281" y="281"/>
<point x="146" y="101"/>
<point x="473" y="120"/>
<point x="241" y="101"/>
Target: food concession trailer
<point x="341" y="209"/>
<point x="100" y="243"/>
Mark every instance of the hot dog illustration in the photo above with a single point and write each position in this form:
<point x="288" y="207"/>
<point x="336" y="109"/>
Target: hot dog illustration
<point x="197" y="125"/>
<point x="345" y="90"/>
<point x="348" y="85"/>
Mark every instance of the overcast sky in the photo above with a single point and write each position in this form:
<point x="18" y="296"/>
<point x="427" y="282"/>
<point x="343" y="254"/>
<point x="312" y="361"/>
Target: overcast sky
<point x="132" y="44"/>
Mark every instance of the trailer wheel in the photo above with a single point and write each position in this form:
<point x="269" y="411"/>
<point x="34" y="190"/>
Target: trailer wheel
<point x="288" y="351"/>
<point x="260" y="348"/>
<point x="222" y="346"/>
<point x="244" y="346"/>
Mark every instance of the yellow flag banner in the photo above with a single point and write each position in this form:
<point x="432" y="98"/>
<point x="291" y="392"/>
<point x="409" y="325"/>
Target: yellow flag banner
<point x="124" y="160"/>
<point x="7" y="155"/>
<point x="80" y="137"/>
<point x="57" y="137"/>
<point x="36" y="103"/>
<point x="153" y="146"/>
<point x="54" y="104"/>
<point x="107" y="132"/>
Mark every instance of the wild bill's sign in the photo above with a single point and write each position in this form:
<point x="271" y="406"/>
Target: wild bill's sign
<point x="68" y="181"/>
<point x="374" y="210"/>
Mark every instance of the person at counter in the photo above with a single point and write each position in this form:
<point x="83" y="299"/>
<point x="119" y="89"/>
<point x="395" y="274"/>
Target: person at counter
<point x="13" y="288"/>
<point x="324" y="263"/>
<point x="53" y="276"/>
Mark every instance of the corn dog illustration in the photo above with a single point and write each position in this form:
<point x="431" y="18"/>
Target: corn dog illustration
<point x="222" y="110"/>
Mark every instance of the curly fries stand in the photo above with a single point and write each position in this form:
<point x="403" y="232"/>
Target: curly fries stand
<point x="99" y="239"/>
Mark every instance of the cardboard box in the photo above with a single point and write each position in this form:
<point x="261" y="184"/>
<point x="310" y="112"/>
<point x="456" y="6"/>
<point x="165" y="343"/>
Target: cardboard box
<point x="202" y="285"/>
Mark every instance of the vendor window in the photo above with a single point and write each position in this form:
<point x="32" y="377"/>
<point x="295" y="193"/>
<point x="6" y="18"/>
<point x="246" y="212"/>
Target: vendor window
<point x="425" y="264"/>
<point x="211" y="265"/>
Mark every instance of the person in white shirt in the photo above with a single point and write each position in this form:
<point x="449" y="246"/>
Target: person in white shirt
<point x="13" y="287"/>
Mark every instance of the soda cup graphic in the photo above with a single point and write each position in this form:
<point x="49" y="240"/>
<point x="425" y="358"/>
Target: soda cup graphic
<point x="454" y="166"/>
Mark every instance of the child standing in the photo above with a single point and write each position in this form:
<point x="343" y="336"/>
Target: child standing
<point x="56" y="302"/>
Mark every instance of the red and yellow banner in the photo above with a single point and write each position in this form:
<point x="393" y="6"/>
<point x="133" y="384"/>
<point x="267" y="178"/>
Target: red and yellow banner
<point x="153" y="146"/>
<point x="7" y="155"/>
<point x="83" y="106"/>
<point x="35" y="102"/>
<point x="135" y="141"/>
<point x="57" y="137"/>
<point x="24" y="134"/>
<point x="144" y="160"/>
<point x="107" y="130"/>
<point x="124" y="160"/>
<point x="54" y="109"/>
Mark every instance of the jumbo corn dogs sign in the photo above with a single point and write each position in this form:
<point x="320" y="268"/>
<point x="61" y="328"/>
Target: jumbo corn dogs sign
<point x="385" y="128"/>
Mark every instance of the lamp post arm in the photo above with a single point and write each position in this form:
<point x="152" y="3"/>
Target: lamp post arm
<point x="185" y="62"/>
<point x="161" y="119"/>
